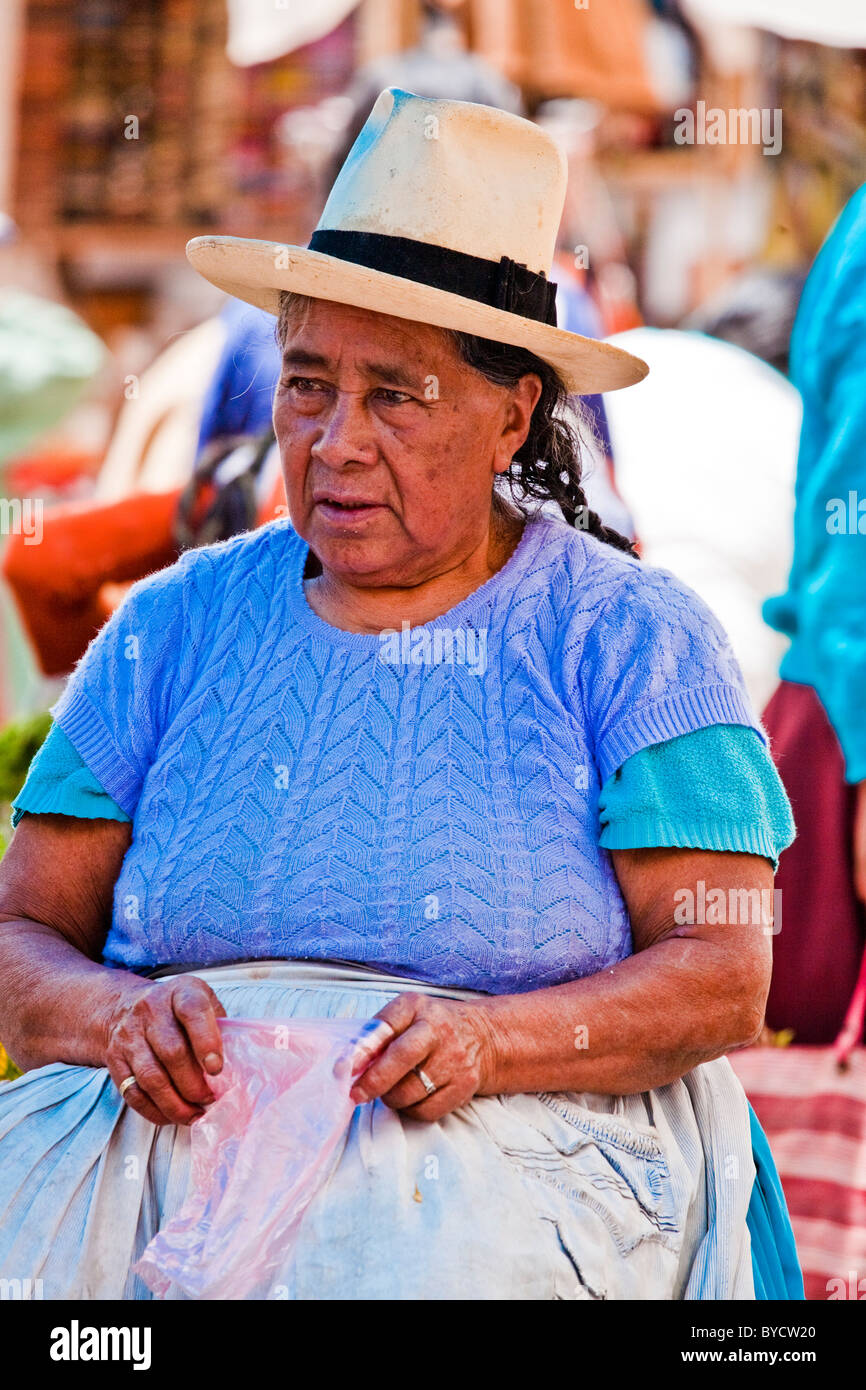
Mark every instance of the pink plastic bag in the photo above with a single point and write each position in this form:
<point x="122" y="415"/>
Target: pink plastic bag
<point x="261" y="1152"/>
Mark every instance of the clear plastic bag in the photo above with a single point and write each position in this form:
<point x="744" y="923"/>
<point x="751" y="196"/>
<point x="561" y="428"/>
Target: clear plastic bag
<point x="261" y="1152"/>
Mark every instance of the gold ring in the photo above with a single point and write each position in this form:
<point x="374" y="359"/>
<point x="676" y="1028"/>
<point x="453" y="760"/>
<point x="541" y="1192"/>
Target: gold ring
<point x="125" y="1085"/>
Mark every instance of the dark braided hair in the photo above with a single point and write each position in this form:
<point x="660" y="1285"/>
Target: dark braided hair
<point x="548" y="466"/>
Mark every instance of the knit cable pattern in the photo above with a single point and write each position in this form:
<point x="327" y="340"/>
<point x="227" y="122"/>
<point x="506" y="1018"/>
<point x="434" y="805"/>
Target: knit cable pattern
<point x="425" y="803"/>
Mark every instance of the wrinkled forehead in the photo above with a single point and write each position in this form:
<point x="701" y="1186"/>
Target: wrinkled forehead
<point x="321" y="332"/>
<point x="301" y="314"/>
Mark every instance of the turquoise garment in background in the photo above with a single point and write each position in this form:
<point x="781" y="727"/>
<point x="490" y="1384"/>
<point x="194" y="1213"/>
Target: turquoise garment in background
<point x="824" y="608"/>
<point x="775" y="1266"/>
<point x="713" y="789"/>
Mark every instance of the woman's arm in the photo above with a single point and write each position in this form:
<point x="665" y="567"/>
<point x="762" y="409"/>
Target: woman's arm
<point x="691" y="992"/>
<point x="58" y="1004"/>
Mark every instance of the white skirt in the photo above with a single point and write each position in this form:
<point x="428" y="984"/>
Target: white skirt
<point x="562" y="1195"/>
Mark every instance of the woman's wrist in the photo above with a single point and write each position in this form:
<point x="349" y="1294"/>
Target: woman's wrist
<point x="59" y="1007"/>
<point x="496" y="1045"/>
<point x="119" y="989"/>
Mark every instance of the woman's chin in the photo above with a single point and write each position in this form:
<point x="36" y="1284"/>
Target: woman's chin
<point x="353" y="558"/>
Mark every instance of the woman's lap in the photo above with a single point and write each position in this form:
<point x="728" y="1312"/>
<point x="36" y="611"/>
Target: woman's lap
<point x="518" y="1197"/>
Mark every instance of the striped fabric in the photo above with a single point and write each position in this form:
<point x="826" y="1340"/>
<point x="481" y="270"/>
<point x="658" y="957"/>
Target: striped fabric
<point x="815" y="1119"/>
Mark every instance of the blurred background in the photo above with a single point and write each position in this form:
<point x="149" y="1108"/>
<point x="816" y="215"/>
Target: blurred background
<point x="711" y="145"/>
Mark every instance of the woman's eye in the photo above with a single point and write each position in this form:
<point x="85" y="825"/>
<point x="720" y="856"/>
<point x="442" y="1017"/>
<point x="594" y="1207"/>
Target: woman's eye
<point x="394" y="397"/>
<point x="304" y="385"/>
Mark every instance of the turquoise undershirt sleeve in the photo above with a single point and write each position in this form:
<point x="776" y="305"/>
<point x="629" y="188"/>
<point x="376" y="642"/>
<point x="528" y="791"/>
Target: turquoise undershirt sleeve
<point x="60" y="781"/>
<point x="715" y="789"/>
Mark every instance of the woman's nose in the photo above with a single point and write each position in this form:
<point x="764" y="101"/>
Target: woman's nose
<point x="345" y="433"/>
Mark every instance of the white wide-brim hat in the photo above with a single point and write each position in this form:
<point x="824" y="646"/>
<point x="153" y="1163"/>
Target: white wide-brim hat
<point x="445" y="213"/>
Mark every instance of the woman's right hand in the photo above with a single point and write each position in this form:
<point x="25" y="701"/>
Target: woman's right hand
<point x="166" y="1036"/>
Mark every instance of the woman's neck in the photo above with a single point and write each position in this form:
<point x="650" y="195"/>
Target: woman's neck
<point x="372" y="609"/>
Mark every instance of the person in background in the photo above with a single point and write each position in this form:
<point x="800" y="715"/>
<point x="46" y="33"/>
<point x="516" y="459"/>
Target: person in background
<point x="817" y="717"/>
<point x="756" y="312"/>
<point x="240" y="395"/>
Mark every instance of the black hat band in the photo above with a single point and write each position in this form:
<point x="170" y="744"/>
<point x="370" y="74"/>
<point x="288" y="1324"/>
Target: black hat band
<point x="503" y="284"/>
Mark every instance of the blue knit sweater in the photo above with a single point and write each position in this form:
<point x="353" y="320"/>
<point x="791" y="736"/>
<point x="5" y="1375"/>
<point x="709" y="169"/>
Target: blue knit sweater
<point x="425" y="801"/>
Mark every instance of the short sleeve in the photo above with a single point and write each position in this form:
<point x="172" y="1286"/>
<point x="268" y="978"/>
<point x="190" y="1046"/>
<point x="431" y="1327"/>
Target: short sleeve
<point x="60" y="782"/>
<point x="715" y="789"/>
<point x="124" y="691"/>
<point x="656" y="663"/>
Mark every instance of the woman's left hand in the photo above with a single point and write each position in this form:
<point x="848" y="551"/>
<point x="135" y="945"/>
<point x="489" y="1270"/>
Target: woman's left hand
<point x="450" y="1041"/>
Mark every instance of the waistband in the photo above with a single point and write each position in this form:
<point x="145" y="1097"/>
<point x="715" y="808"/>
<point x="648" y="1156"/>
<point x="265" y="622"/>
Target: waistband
<point x="311" y="973"/>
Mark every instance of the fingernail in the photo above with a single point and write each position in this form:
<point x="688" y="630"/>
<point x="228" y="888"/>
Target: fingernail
<point x="213" y="1063"/>
<point x="358" y="1095"/>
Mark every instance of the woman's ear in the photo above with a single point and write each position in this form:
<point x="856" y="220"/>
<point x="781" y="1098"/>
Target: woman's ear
<point x="523" y="398"/>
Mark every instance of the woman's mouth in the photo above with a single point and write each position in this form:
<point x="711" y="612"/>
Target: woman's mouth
<point x="341" y="510"/>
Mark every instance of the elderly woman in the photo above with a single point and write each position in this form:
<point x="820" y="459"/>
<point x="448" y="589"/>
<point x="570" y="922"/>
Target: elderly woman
<point x="429" y="751"/>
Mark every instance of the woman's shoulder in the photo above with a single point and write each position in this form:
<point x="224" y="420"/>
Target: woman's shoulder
<point x="606" y="585"/>
<point x="618" y="622"/>
<point x="266" y="544"/>
<point x="218" y="567"/>
<point x="567" y="557"/>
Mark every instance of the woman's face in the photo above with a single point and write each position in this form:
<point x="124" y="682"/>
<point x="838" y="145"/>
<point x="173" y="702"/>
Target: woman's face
<point x="389" y="444"/>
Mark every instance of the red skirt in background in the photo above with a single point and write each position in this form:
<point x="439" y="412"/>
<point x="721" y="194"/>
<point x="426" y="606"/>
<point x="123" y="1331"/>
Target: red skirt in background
<point x="817" y="953"/>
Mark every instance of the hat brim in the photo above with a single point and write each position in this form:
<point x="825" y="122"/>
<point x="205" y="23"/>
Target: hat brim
<point x="258" y="271"/>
